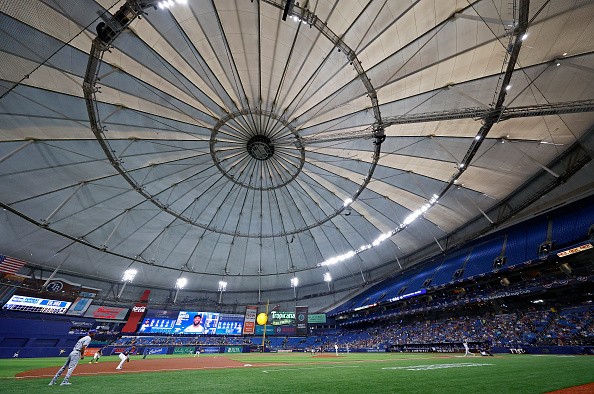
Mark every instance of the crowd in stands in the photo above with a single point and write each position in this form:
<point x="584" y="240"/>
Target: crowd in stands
<point x="571" y="326"/>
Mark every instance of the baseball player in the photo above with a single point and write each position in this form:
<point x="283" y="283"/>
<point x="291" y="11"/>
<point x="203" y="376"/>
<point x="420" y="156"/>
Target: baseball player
<point x="125" y="355"/>
<point x="72" y="361"/>
<point x="465" y="343"/>
<point x="97" y="356"/>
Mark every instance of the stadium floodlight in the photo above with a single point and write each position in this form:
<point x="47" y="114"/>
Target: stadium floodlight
<point x="129" y="275"/>
<point x="222" y="285"/>
<point x="347" y="202"/>
<point x="181" y="283"/>
<point x="382" y="237"/>
<point x="327" y="277"/>
<point x="294" y="282"/>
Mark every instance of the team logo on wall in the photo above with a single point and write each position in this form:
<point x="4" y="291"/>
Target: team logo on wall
<point x="301" y="317"/>
<point x="54" y="287"/>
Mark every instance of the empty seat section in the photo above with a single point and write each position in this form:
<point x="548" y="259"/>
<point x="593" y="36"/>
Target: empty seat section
<point x="402" y="281"/>
<point x="427" y="272"/>
<point x="445" y="273"/>
<point x="536" y="234"/>
<point x="584" y="220"/>
<point x="515" y="251"/>
<point x="563" y="229"/>
<point x="481" y="259"/>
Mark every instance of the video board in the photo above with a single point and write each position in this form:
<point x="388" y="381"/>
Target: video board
<point x="34" y="304"/>
<point x="190" y="322"/>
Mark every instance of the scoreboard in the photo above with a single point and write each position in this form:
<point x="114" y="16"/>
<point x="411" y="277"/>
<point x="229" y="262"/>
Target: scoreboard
<point x="34" y="304"/>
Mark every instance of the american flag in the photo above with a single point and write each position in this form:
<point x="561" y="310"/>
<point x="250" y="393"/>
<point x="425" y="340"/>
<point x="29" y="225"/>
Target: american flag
<point x="10" y="265"/>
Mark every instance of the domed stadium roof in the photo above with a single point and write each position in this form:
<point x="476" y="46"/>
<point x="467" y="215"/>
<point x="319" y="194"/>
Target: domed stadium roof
<point x="213" y="140"/>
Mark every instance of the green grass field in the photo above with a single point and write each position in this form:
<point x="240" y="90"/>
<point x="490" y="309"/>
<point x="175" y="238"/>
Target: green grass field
<point x="398" y="373"/>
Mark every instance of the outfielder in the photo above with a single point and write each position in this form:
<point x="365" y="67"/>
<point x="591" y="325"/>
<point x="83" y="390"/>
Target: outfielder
<point x="72" y="361"/>
<point x="124" y="356"/>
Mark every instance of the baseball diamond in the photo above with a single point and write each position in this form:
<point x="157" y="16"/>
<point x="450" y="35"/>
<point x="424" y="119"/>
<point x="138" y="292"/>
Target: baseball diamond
<point x="313" y="196"/>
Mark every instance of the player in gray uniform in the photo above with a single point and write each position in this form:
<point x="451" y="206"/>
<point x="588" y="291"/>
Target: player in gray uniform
<point x="76" y="354"/>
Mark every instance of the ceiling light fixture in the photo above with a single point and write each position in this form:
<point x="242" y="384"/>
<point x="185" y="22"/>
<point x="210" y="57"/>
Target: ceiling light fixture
<point x="129" y="275"/>
<point x="181" y="283"/>
<point x="327" y="277"/>
<point x="222" y="285"/>
<point x="410" y="218"/>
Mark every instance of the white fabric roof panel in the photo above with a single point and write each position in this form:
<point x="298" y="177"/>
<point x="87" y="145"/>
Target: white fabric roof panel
<point x="260" y="198"/>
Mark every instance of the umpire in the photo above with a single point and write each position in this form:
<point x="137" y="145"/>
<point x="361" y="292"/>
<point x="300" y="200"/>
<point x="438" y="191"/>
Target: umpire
<point x="76" y="354"/>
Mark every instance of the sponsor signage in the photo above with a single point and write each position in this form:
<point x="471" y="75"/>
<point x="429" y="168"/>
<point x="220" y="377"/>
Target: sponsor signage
<point x="282" y="318"/>
<point x="117" y="350"/>
<point x="285" y="330"/>
<point x="183" y="350"/>
<point x="155" y="350"/>
<point x="106" y="312"/>
<point x="233" y="349"/>
<point x="575" y="250"/>
<point x="269" y="330"/>
<point x="90" y="352"/>
<point x="249" y="324"/>
<point x="34" y="304"/>
<point x="137" y="313"/>
<point x="78" y="323"/>
<point x="301" y="320"/>
<point x="209" y="349"/>
<point x="319" y="318"/>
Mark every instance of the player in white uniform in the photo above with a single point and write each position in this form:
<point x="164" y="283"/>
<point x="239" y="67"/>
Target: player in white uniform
<point x="72" y="361"/>
<point x="466" y="348"/>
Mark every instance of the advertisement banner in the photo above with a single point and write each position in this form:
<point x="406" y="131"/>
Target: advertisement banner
<point x="233" y="349"/>
<point x="183" y="350"/>
<point x="282" y="318"/>
<point x="319" y="318"/>
<point x="209" y="349"/>
<point x="301" y="320"/>
<point x="106" y="312"/>
<point x="269" y="330"/>
<point x="118" y="350"/>
<point x="137" y="313"/>
<point x="285" y="330"/>
<point x="249" y="324"/>
<point x="155" y="350"/>
<point x="90" y="351"/>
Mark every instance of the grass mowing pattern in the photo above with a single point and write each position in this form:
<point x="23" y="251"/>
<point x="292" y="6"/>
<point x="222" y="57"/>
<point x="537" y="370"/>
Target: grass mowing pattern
<point x="508" y="374"/>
